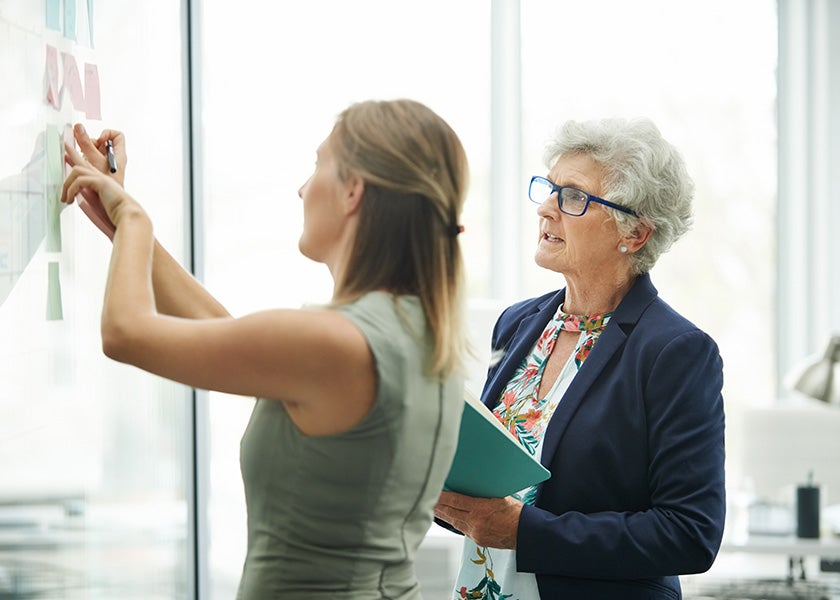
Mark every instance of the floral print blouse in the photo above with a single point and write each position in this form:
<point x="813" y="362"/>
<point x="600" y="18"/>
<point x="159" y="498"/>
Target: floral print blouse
<point x="490" y="573"/>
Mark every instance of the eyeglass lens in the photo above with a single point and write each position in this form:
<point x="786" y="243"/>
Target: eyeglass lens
<point x="572" y="201"/>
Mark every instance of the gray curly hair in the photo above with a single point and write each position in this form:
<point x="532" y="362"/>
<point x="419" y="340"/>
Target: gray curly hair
<point x="642" y="171"/>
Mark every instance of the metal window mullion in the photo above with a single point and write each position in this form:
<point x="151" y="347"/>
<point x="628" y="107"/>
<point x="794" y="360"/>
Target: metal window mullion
<point x="792" y="196"/>
<point x="832" y="91"/>
<point x="818" y="161"/>
<point x="198" y="530"/>
<point x="506" y="151"/>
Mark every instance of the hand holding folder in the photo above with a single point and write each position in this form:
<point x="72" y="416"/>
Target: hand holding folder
<point x="489" y="462"/>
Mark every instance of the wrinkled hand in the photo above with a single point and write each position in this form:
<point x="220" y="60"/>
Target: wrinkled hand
<point x="489" y="522"/>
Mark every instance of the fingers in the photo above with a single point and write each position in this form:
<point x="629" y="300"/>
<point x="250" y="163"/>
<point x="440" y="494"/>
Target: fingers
<point x="72" y="156"/>
<point x="86" y="182"/>
<point x="88" y="153"/>
<point x="95" y="153"/>
<point x="78" y="178"/>
<point x="455" y="508"/>
<point x="66" y="198"/>
<point x="86" y="145"/>
<point x="489" y="522"/>
<point x="72" y="190"/>
<point x="448" y="497"/>
<point x="118" y="142"/>
<point x="457" y="501"/>
<point x="97" y="191"/>
<point x="117" y="138"/>
<point x="81" y="172"/>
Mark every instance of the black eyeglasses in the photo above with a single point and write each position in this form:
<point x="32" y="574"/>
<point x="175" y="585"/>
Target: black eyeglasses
<point x="570" y="200"/>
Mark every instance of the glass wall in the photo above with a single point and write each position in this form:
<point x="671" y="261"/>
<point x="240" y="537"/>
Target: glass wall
<point x="95" y="457"/>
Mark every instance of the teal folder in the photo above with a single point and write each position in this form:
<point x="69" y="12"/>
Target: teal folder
<point x="489" y="462"/>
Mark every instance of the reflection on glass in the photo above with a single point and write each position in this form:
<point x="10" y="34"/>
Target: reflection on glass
<point x="22" y="217"/>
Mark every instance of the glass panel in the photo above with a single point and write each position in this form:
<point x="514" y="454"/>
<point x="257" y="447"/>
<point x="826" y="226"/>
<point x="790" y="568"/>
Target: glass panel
<point x="275" y="77"/>
<point x="94" y="456"/>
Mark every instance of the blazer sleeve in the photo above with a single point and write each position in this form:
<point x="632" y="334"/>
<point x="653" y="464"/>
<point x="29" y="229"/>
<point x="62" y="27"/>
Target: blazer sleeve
<point x="681" y="529"/>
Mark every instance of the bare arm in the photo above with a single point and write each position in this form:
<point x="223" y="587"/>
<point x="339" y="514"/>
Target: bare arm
<point x="176" y="291"/>
<point x="277" y="354"/>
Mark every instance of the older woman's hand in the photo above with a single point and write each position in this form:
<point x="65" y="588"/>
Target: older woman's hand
<point x="489" y="522"/>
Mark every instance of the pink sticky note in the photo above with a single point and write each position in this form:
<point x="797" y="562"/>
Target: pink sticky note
<point x="93" y="110"/>
<point x="51" y="77"/>
<point x="72" y="81"/>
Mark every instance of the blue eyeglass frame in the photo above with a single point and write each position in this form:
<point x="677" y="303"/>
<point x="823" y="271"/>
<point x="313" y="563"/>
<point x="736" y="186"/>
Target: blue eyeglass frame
<point x="589" y="197"/>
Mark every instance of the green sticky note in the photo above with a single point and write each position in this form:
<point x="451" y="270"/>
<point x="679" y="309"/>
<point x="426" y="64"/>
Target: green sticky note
<point x="53" y="179"/>
<point x="54" y="310"/>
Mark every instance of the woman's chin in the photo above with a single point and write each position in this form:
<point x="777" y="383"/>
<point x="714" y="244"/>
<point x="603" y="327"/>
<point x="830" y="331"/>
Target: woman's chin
<point x="548" y="260"/>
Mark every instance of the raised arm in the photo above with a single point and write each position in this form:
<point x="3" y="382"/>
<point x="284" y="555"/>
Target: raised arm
<point x="277" y="354"/>
<point x="176" y="291"/>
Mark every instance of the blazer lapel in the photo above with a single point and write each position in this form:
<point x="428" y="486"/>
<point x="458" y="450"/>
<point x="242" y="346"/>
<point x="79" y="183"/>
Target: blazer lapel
<point x="531" y="327"/>
<point x="624" y="318"/>
<point x="527" y="332"/>
<point x="610" y="340"/>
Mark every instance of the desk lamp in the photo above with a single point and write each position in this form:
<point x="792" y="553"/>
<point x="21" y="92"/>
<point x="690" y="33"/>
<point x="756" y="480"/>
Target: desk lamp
<point x="818" y="380"/>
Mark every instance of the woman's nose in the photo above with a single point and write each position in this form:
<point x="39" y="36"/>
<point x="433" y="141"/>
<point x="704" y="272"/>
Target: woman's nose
<point x="303" y="187"/>
<point x="549" y="209"/>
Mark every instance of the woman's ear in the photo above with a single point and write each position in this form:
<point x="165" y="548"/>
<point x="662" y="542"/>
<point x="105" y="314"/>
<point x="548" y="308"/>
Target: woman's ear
<point x="355" y="189"/>
<point x="638" y="237"/>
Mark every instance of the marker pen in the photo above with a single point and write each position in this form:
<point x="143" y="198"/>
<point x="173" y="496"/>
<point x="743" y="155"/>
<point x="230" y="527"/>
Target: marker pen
<point x="112" y="161"/>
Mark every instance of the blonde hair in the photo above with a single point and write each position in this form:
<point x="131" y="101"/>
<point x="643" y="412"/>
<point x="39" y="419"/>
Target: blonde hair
<point x="415" y="173"/>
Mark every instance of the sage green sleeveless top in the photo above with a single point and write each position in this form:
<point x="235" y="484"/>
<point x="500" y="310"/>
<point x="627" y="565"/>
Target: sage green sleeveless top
<point x="341" y="516"/>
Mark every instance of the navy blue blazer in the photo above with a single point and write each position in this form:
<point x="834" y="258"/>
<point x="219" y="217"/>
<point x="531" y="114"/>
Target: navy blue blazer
<point x="635" y="449"/>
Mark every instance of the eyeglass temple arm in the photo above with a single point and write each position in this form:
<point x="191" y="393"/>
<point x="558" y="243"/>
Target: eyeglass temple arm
<point x="629" y="211"/>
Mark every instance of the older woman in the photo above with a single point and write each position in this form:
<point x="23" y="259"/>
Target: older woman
<point x="616" y="392"/>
